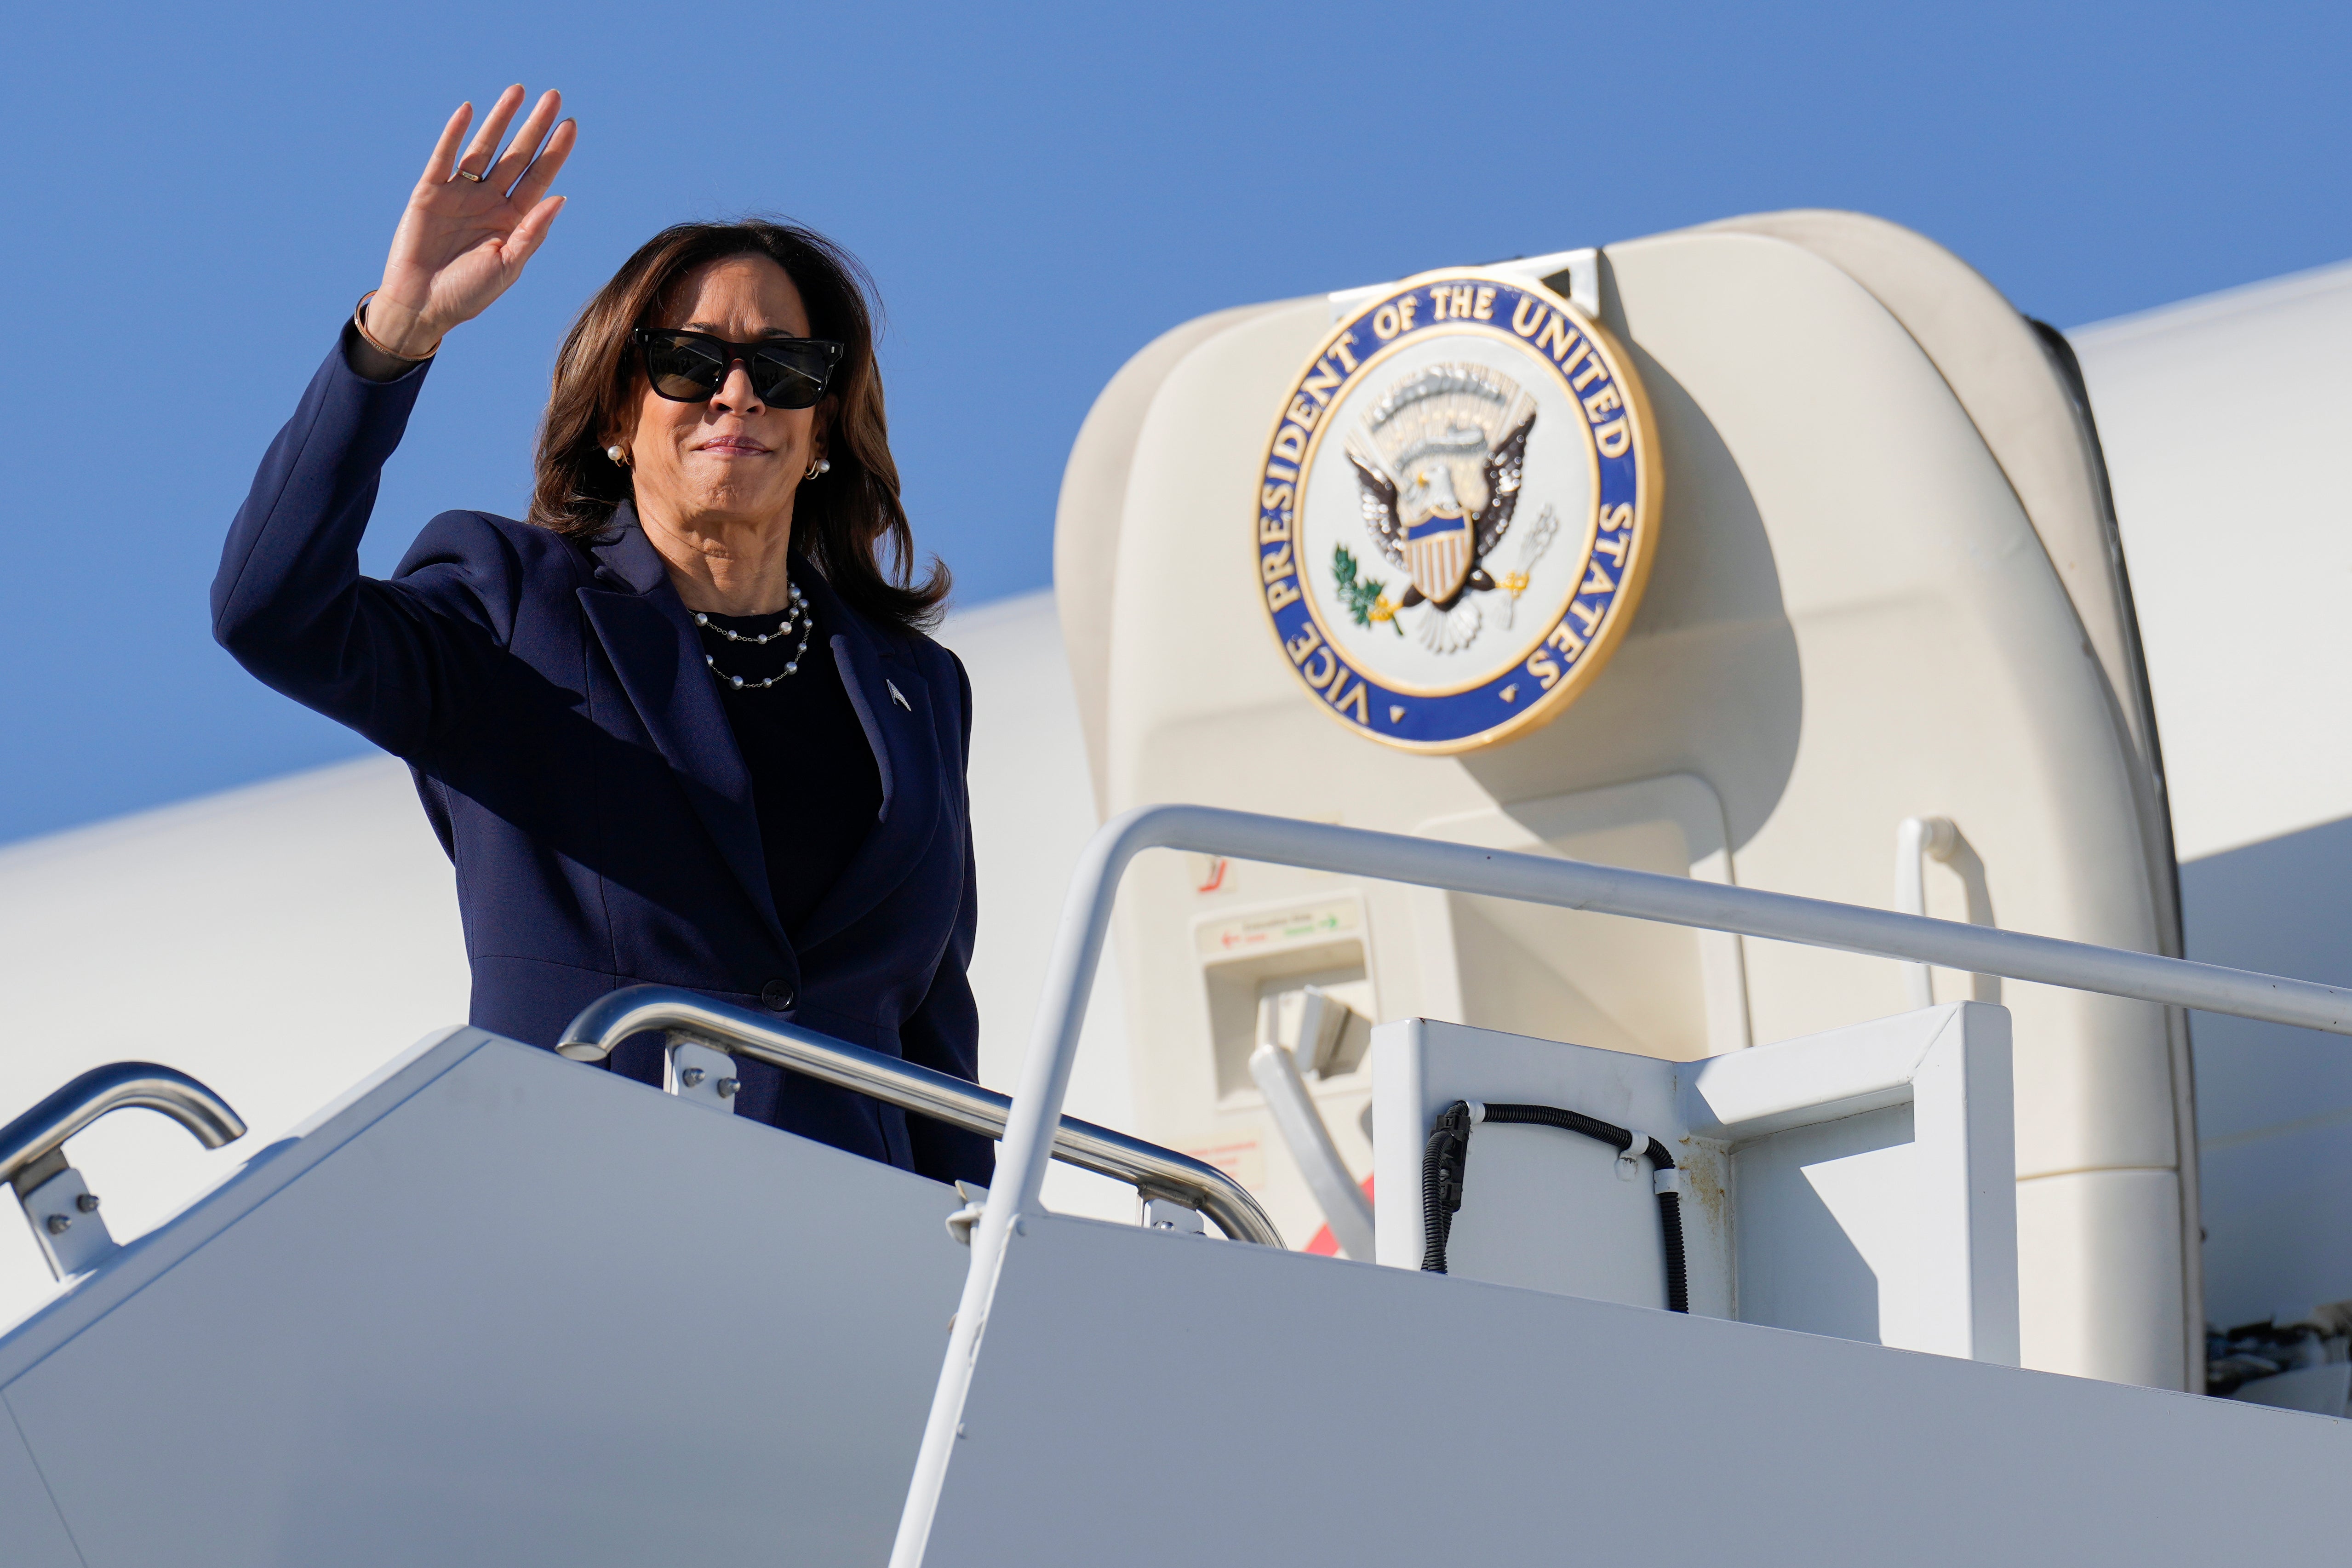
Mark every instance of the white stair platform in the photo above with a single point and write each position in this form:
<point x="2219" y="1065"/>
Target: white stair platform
<point x="1147" y="1399"/>
<point x="495" y="1308"/>
<point x="498" y="1307"/>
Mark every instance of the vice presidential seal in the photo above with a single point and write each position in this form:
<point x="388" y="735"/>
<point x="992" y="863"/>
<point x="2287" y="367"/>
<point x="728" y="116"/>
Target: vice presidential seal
<point x="1457" y="510"/>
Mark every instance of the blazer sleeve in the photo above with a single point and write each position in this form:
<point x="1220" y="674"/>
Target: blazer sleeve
<point x="395" y="660"/>
<point x="943" y="1033"/>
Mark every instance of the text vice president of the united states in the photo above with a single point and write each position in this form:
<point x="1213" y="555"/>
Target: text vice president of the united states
<point x="683" y="724"/>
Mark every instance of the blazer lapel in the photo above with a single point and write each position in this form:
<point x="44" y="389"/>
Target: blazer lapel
<point x="657" y="654"/>
<point x="905" y="751"/>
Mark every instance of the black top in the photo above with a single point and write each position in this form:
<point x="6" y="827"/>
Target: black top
<point x="814" y="779"/>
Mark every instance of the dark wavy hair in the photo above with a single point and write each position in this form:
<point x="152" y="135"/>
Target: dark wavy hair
<point x="843" y="521"/>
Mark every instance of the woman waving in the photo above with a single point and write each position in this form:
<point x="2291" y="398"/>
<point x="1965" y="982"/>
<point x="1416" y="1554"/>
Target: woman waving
<point x="682" y="724"/>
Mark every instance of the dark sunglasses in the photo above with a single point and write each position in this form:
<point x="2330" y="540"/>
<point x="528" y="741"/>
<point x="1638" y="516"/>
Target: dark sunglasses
<point x="690" y="367"/>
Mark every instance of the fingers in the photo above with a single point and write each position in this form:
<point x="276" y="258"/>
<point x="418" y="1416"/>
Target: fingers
<point x="485" y="147"/>
<point x="527" y="138"/>
<point x="548" y="164"/>
<point x="527" y="234"/>
<point x="445" y="151"/>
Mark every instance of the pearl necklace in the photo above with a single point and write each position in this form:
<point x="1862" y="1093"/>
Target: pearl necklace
<point x="798" y="611"/>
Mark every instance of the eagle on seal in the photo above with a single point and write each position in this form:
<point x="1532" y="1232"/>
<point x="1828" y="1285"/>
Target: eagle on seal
<point x="1438" y="468"/>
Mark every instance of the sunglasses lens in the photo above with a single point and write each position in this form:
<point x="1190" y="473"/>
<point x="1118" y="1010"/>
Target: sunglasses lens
<point x="687" y="367"/>
<point x="684" y="369"/>
<point x="792" y="377"/>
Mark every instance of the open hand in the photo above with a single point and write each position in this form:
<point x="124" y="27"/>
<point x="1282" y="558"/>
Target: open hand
<point x="462" y="243"/>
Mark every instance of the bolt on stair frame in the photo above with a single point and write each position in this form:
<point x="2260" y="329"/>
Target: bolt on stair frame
<point x="1530" y="878"/>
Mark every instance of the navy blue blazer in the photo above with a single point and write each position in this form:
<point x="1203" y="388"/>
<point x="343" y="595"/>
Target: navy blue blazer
<point x="572" y="753"/>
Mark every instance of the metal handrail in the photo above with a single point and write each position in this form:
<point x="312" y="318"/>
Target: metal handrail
<point x="33" y="1137"/>
<point x="1152" y="1171"/>
<point x="1529" y="878"/>
<point x="1917" y="840"/>
<point x="1577" y="884"/>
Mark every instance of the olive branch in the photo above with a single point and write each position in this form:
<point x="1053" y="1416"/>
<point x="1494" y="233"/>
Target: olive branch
<point x="1363" y="596"/>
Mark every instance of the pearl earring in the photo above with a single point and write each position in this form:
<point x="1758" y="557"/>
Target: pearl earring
<point x="822" y="466"/>
<point x="620" y="459"/>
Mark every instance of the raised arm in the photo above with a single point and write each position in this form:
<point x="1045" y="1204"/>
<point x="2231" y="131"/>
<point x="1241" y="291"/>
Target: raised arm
<point x="388" y="658"/>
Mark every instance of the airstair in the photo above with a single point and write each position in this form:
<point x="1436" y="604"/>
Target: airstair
<point x="491" y="1309"/>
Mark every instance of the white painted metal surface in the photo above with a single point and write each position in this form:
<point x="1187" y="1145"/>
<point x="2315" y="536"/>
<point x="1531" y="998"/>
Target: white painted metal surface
<point x="2243" y="662"/>
<point x="1567" y="975"/>
<point x="31" y="1531"/>
<point x="1326" y="1412"/>
<point x="1860" y="1183"/>
<point x="1925" y="1202"/>
<point x="2238" y="525"/>
<point x="498" y="1307"/>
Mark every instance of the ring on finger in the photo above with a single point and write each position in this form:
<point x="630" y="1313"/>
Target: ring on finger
<point x="465" y="174"/>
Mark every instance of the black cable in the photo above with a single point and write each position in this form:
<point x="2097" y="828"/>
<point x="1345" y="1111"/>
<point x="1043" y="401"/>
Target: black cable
<point x="1448" y="1156"/>
<point x="1442" y="1166"/>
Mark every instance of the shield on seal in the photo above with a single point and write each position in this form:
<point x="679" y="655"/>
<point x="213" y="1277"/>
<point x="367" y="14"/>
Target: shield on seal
<point x="1438" y="459"/>
<point x="1438" y="553"/>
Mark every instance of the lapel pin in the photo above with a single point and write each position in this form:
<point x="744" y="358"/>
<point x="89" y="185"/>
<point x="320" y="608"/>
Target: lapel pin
<point x="897" y="695"/>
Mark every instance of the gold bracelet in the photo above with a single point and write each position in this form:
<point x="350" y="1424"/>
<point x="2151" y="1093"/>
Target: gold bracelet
<point x="359" y="320"/>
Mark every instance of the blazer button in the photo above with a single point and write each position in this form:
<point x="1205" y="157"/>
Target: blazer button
<point x="776" y="997"/>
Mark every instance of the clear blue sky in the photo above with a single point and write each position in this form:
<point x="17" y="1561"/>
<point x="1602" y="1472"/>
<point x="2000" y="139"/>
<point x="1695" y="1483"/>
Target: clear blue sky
<point x="194" y="195"/>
